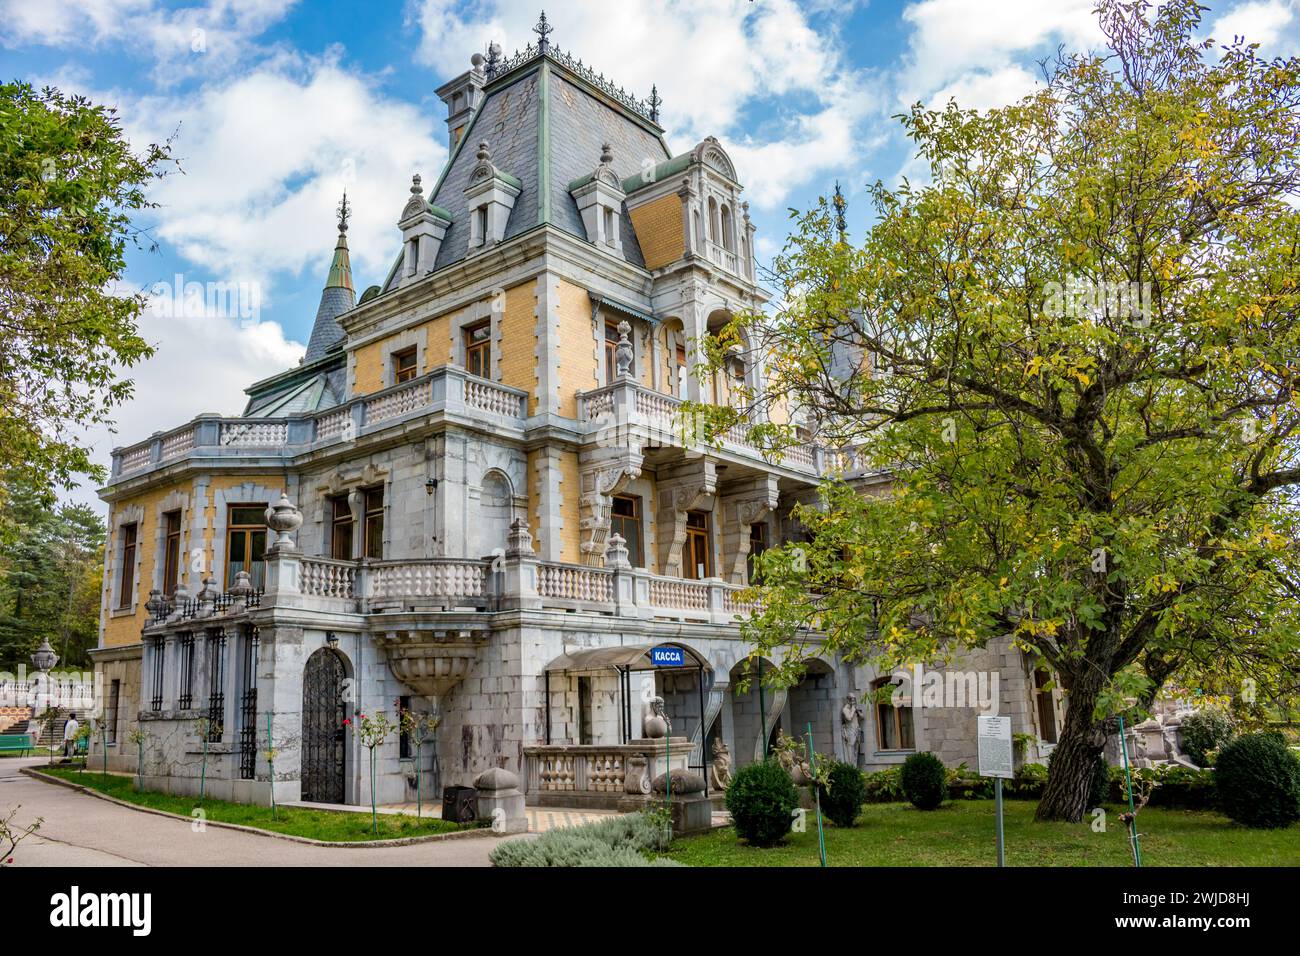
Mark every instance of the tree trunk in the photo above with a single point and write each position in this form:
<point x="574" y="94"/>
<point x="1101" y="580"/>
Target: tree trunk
<point x="1074" y="761"/>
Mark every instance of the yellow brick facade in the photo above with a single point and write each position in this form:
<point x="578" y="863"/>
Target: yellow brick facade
<point x="658" y="226"/>
<point x="576" y="348"/>
<point x="519" y="340"/>
<point x="570" y="495"/>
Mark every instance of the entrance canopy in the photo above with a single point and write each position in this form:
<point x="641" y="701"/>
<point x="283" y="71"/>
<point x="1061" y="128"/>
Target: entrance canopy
<point x="635" y="657"/>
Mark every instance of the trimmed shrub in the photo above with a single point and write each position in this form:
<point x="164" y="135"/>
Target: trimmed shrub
<point x="762" y="799"/>
<point x="925" y="781"/>
<point x="1203" y="731"/>
<point x="1258" y="781"/>
<point x="843" y="800"/>
<point x="625" y="840"/>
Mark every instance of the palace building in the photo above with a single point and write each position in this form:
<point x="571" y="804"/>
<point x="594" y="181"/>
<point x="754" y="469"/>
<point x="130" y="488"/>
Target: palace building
<point x="474" y="498"/>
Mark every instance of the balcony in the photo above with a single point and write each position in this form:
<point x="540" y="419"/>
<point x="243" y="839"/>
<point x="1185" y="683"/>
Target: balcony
<point x="448" y="391"/>
<point x="627" y="405"/>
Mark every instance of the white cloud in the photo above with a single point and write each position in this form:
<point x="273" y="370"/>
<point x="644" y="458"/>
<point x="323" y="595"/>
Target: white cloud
<point x="1259" y="21"/>
<point x="266" y="157"/>
<point x="168" y="394"/>
<point x="980" y="48"/>
<point x="185" y="41"/>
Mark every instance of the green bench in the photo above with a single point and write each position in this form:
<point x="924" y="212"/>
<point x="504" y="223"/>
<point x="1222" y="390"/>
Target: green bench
<point x="16" y="742"/>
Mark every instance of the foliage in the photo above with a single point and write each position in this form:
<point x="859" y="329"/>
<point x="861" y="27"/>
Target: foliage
<point x="1258" y="781"/>
<point x="1072" y="354"/>
<point x="11" y="835"/>
<point x="924" y="780"/>
<point x="884" y="786"/>
<point x="69" y="183"/>
<point x="1204" y="731"/>
<point x="50" y="576"/>
<point x="762" y="799"/>
<point x="628" y="839"/>
<point x="843" y="793"/>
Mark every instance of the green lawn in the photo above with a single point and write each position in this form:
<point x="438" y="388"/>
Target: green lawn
<point x="330" y="825"/>
<point x="962" y="834"/>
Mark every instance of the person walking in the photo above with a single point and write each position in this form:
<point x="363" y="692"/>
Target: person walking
<point x="70" y="736"/>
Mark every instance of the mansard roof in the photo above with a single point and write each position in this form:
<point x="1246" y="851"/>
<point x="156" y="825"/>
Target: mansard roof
<point x="546" y="117"/>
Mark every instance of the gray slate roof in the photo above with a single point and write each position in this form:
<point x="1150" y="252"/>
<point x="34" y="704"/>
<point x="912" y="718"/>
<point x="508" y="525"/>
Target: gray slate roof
<point x="326" y="333"/>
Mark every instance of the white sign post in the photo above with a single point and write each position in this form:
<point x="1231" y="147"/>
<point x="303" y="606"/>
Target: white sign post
<point x="996" y="761"/>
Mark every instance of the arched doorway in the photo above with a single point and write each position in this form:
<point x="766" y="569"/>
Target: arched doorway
<point x="323" y="735"/>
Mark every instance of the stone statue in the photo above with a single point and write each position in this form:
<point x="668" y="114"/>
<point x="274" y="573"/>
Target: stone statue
<point x="653" y="722"/>
<point x="720" y="770"/>
<point x="850" y="728"/>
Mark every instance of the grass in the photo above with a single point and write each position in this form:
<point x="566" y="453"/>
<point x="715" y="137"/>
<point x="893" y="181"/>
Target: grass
<point x="329" y="825"/>
<point x="962" y="834"/>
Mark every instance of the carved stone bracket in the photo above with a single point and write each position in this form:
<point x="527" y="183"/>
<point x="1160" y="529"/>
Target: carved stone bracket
<point x="692" y="489"/>
<point x="600" y="482"/>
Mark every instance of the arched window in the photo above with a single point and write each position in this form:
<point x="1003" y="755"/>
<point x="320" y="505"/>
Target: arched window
<point x="727" y="242"/>
<point x="713" y="220"/>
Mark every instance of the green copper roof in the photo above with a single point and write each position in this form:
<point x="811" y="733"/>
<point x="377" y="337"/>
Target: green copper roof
<point x="668" y="167"/>
<point x="340" y="276"/>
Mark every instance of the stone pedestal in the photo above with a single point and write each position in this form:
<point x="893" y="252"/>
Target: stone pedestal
<point x="500" y="801"/>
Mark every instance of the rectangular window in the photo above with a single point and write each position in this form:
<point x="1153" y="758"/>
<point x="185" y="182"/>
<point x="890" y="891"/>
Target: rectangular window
<point x="609" y="226"/>
<point x="216" y="685"/>
<point x="126" y="579"/>
<point x="171" y="552"/>
<point x="374" y="538"/>
<point x="1046" y="707"/>
<point x="248" y="705"/>
<point x="156" y="685"/>
<point x="584" y="710"/>
<point x="341" y="525"/>
<point x="480" y="224"/>
<point x="697" y="561"/>
<point x="246" y="544"/>
<point x="110" y="712"/>
<point x="757" y="545"/>
<point x="404" y="368"/>
<point x="893" y="724"/>
<point x="611" y="352"/>
<point x="185" y="697"/>
<point x="404" y="749"/>
<point x="478" y="350"/>
<point x="625" y="520"/>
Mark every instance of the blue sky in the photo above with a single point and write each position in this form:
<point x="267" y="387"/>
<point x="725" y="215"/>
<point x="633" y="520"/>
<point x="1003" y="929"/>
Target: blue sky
<point x="276" y="106"/>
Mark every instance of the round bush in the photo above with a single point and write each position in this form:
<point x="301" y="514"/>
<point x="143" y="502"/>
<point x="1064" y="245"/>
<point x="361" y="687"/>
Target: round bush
<point x="845" y="796"/>
<point x="925" y="781"/>
<point x="1258" y="781"/>
<point x="761" y="799"/>
<point x="1204" y="730"/>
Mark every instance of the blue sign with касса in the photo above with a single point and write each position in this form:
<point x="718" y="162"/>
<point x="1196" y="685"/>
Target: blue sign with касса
<point x="667" y="656"/>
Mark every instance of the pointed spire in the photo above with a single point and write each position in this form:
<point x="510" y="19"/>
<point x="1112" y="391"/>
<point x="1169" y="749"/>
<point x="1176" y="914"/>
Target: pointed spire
<point x="655" y="103"/>
<point x="338" y="295"/>
<point x="340" y="276"/>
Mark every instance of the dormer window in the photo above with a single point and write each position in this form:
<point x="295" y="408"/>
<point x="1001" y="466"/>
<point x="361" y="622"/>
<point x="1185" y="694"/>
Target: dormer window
<point x="491" y="195"/>
<point x="423" y="227"/>
<point x="599" y="197"/>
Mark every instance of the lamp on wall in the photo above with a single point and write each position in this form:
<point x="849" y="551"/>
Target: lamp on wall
<point x="331" y="639"/>
<point x="431" y="486"/>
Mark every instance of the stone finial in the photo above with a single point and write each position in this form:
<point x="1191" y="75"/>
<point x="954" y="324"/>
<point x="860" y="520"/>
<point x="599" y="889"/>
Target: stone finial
<point x="476" y="63"/>
<point x="519" y="542"/>
<point x="616" y="554"/>
<point x="416" y="188"/>
<point x="207" y="596"/>
<point x="497" y="778"/>
<point x="44" y="658"/>
<point x="484" y="154"/>
<point x="284" y="518"/>
<point x="606" y="153"/>
<point x="623" y="351"/>
<point x="156" y="606"/>
<point x="242" y="588"/>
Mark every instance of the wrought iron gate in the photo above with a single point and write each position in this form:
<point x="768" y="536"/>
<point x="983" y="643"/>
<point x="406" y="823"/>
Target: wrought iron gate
<point x="323" y="713"/>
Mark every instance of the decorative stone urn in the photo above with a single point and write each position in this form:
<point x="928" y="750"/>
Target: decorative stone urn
<point x="284" y="518"/>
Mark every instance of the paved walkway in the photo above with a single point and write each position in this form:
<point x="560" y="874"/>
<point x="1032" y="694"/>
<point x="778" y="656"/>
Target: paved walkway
<point x="540" y="819"/>
<point x="81" y="830"/>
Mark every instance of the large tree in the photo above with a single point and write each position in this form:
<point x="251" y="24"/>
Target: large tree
<point x="1074" y="353"/>
<point x="69" y="182"/>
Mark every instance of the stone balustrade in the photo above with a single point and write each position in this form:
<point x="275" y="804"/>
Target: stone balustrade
<point x="604" y="775"/>
<point x="448" y="389"/>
